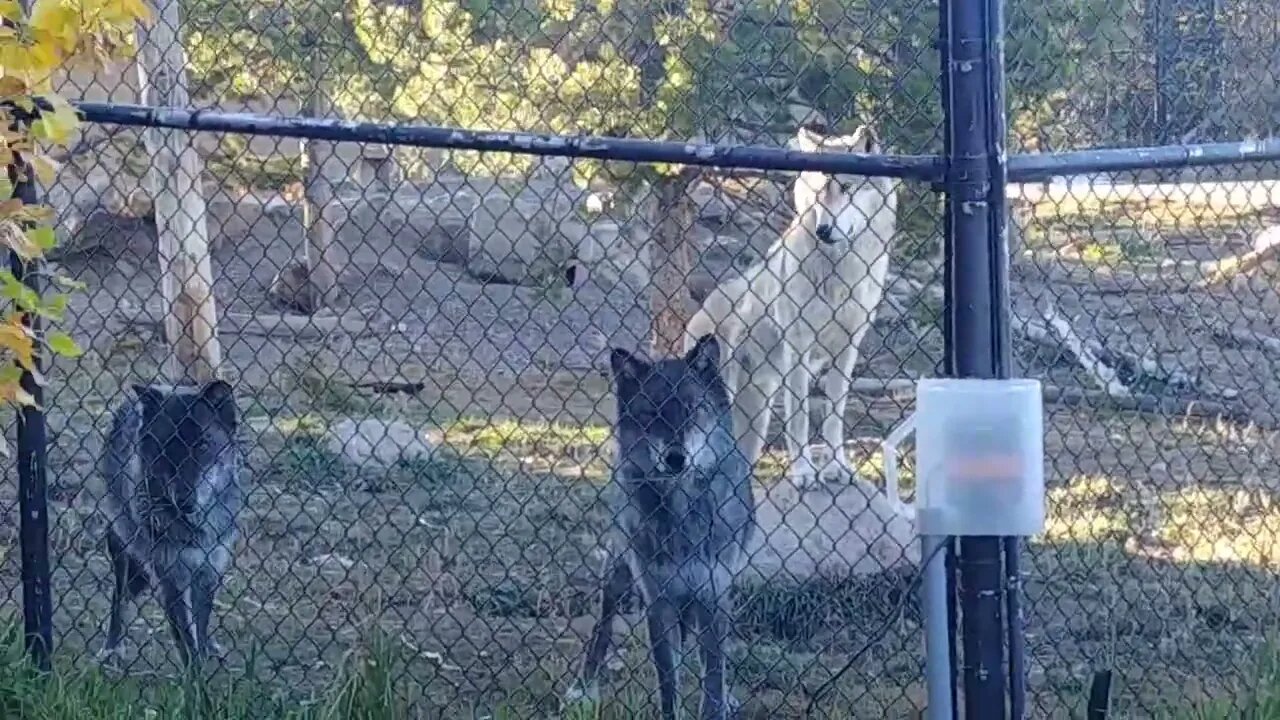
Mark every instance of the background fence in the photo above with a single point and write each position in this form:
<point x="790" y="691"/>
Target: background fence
<point x="428" y="425"/>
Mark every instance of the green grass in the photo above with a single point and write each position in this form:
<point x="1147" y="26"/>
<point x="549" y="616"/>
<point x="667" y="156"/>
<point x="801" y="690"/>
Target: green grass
<point x="365" y="690"/>
<point x="1259" y="700"/>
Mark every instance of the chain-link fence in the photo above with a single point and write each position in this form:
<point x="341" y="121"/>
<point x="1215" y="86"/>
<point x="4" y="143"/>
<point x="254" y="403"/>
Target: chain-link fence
<point x="420" y="334"/>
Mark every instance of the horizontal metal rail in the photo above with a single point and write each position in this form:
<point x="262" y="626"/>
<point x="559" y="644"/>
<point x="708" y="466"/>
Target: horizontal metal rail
<point x="1042" y="166"/>
<point x="928" y="168"/>
<point x="601" y="148"/>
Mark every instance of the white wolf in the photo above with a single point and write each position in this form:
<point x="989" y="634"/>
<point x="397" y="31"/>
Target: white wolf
<point x="810" y="302"/>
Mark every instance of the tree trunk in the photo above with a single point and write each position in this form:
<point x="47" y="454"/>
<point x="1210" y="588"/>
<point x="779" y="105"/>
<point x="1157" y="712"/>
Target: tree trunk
<point x="191" y="317"/>
<point x="669" y="252"/>
<point x="311" y="282"/>
<point x="318" y="192"/>
<point x="670" y="260"/>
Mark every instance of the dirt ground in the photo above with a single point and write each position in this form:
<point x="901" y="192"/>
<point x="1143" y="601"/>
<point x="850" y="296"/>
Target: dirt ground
<point x="477" y="568"/>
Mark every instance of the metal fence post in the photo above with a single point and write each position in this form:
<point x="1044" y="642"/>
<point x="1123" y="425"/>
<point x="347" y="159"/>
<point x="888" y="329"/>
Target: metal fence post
<point x="977" y="306"/>
<point x="998" y="209"/>
<point x="33" y="478"/>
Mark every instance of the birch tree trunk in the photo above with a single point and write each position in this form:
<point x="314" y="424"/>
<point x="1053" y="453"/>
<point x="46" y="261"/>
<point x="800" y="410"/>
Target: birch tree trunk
<point x="311" y="282"/>
<point x="191" y="317"/>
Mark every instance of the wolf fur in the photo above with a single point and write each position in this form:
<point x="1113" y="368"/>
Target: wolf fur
<point x="172" y="473"/>
<point x="685" y="516"/>
<point x="808" y="305"/>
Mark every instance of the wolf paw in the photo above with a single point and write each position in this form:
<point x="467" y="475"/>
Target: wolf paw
<point x="840" y="469"/>
<point x="216" y="650"/>
<point x="804" y="472"/>
<point x="732" y="709"/>
<point x="578" y="696"/>
<point x="110" y="657"/>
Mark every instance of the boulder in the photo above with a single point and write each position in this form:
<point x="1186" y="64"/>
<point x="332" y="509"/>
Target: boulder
<point x="379" y="443"/>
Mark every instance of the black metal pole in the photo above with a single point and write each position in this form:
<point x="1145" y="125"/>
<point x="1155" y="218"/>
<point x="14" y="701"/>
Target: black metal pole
<point x="977" y="303"/>
<point x="953" y="616"/>
<point x="33" y="477"/>
<point x="998" y="240"/>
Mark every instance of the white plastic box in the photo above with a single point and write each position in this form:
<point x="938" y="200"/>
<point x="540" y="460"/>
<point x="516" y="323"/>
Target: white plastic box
<point x="979" y="457"/>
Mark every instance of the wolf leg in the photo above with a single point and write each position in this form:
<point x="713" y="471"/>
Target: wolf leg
<point x="795" y="404"/>
<point x="130" y="579"/>
<point x="664" y="638"/>
<point x="204" y="589"/>
<point x="838" y="380"/>
<point x="617" y="582"/>
<point x="758" y="382"/>
<point x="177" y="599"/>
<point x="713" y="635"/>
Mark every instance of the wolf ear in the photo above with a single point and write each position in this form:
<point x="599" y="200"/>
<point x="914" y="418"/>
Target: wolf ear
<point x="704" y="357"/>
<point x="864" y="140"/>
<point x="219" y="395"/>
<point x="150" y="397"/>
<point x="627" y="368"/>
<point x="807" y="140"/>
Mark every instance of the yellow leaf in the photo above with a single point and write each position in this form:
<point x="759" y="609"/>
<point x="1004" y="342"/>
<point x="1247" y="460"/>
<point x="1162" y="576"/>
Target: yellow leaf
<point x="10" y="10"/>
<point x="10" y="85"/>
<point x="53" y="17"/>
<point x="58" y="124"/>
<point x="138" y="9"/>
<point x="45" y="167"/>
<point x="12" y="237"/>
<point x="11" y="392"/>
<point x="19" y="340"/>
<point x="44" y="56"/>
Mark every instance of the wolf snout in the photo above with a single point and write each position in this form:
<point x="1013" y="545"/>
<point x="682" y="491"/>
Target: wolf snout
<point x="823" y="232"/>
<point x="673" y="461"/>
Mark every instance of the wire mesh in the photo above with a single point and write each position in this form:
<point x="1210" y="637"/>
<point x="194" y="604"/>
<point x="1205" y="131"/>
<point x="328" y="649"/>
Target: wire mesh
<point x="429" y="427"/>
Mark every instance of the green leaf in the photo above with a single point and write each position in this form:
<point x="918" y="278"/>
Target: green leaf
<point x="43" y="237"/>
<point x="63" y="344"/>
<point x="12" y="289"/>
<point x="69" y="283"/>
<point x="54" y="308"/>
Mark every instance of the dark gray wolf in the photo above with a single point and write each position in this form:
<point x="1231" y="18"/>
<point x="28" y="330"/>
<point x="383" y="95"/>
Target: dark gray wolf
<point x="685" y="516"/>
<point x="172" y="472"/>
<point x="809" y="304"/>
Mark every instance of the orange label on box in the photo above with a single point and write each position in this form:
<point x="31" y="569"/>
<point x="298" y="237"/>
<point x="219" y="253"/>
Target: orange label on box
<point x="988" y="467"/>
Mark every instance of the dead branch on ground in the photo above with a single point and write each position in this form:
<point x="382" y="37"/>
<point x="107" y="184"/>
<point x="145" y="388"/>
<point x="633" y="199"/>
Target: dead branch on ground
<point x="1246" y="338"/>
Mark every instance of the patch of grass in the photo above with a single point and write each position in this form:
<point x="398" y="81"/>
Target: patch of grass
<point x="1202" y="524"/>
<point x="367" y="689"/>
<point x="1133" y="250"/>
<point x="1256" y="700"/>
<point x="305" y="461"/>
<point x="1155" y="212"/>
<point x="569" y="450"/>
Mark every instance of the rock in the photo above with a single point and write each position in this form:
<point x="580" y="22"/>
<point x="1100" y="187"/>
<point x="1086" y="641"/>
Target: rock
<point x="830" y="533"/>
<point x="103" y="175"/>
<point x="712" y="207"/>
<point x="371" y="441"/>
<point x="449" y="240"/>
<point x="524" y="242"/>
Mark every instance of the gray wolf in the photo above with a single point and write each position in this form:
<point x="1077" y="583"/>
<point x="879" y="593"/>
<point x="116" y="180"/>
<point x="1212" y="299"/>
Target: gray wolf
<point x="172" y="470"/>
<point x="685" y="516"/>
<point x="807" y="306"/>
